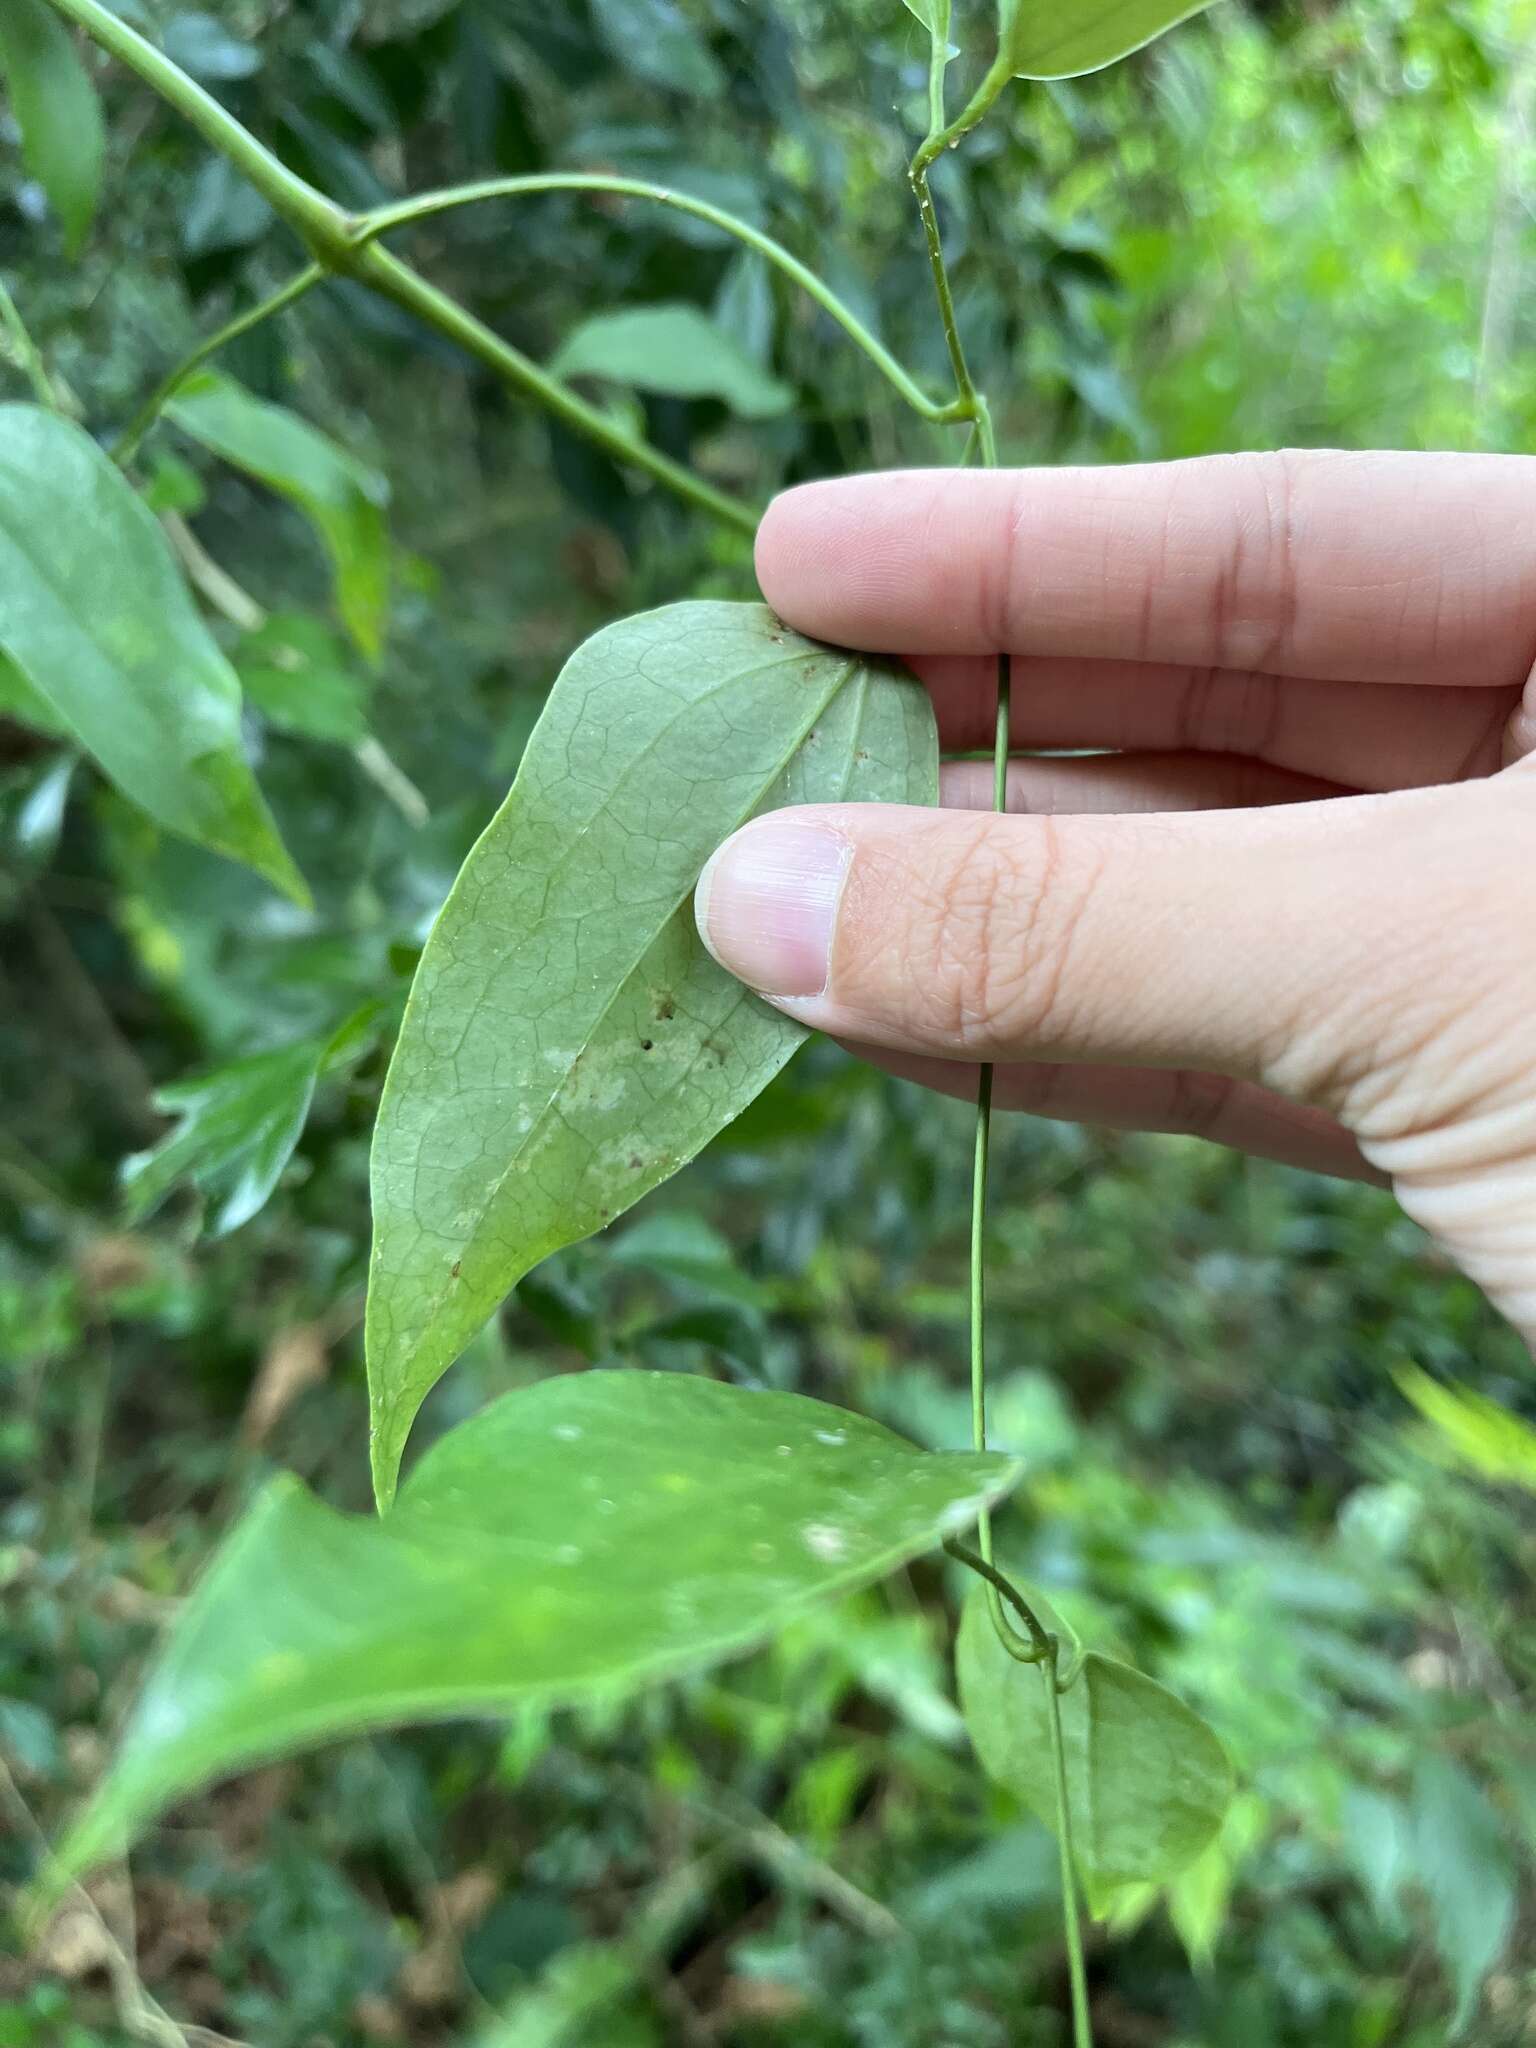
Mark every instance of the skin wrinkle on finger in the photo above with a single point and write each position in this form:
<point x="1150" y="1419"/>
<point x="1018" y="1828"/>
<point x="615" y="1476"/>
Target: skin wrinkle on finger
<point x="1105" y="959"/>
<point x="1367" y="567"/>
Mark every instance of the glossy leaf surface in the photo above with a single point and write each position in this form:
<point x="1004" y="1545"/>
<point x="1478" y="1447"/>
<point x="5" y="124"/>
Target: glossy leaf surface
<point x="673" y="349"/>
<point x="568" y="1042"/>
<point x="342" y="498"/>
<point x="1147" y="1781"/>
<point x="96" y="617"/>
<point x="63" y="136"/>
<point x="592" y="1533"/>
<point x="1068" y="37"/>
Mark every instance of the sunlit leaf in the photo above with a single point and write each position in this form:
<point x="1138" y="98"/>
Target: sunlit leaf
<point x="1462" y="1861"/>
<point x="63" y="136"/>
<point x="568" y="1042"/>
<point x="95" y="616"/>
<point x="675" y="349"/>
<point x="1065" y="38"/>
<point x="342" y="498"/>
<point x="592" y="1533"/>
<point x="1474" y="1431"/>
<point x="237" y="1126"/>
<point x="1148" y="1783"/>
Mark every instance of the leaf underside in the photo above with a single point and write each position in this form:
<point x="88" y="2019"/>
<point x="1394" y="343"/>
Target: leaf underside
<point x="568" y="1043"/>
<point x="1067" y="38"/>
<point x="582" y="1536"/>
<point x="1147" y="1781"/>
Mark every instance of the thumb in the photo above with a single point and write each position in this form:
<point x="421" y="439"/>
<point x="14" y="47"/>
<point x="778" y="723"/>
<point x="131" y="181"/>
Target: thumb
<point x="1286" y="946"/>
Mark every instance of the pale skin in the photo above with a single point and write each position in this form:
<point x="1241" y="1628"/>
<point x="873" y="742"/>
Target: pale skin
<point x="1292" y="911"/>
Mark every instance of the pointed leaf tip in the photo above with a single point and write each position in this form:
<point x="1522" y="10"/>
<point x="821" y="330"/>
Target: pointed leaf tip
<point x="589" y="1534"/>
<point x="568" y="1043"/>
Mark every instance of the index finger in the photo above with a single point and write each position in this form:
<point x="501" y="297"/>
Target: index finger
<point x="1358" y="567"/>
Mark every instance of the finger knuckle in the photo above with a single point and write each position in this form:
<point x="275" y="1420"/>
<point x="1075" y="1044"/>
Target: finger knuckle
<point x="1008" y="913"/>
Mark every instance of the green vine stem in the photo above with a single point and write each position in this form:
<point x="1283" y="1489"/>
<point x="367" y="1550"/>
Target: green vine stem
<point x="1036" y="1645"/>
<point x="329" y="234"/>
<point x="131" y="439"/>
<point x="387" y="218"/>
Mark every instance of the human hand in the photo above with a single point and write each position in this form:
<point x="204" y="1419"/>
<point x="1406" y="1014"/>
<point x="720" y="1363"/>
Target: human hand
<point x="1294" y="911"/>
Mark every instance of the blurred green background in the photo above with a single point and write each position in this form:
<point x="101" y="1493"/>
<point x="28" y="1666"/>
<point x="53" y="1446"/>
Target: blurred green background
<point x="1293" y="222"/>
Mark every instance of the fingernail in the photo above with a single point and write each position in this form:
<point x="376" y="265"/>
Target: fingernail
<point x="767" y="902"/>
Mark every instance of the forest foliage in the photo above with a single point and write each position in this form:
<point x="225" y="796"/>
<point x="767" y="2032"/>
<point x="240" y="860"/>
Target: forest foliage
<point x="1271" y="1450"/>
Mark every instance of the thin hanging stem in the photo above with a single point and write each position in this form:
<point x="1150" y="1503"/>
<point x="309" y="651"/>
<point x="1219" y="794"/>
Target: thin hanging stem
<point x="1077" y="1975"/>
<point x="131" y="439"/>
<point x="1036" y="1645"/>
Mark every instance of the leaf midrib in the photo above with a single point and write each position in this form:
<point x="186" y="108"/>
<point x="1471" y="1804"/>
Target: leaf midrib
<point x="537" y="1125"/>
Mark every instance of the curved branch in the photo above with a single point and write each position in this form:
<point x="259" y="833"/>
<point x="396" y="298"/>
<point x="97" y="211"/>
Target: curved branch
<point x="330" y="234"/>
<point x="129" y="441"/>
<point x="429" y="204"/>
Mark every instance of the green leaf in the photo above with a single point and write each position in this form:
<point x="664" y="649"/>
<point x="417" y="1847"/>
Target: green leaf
<point x="342" y="498"/>
<point x="675" y="349"/>
<point x="1463" y="1863"/>
<point x="587" y="1535"/>
<point x="63" y="136"/>
<point x="204" y="47"/>
<point x="1473" y="1431"/>
<point x="1148" y="1783"/>
<point x="933" y="14"/>
<point x="96" y="617"/>
<point x="654" y="40"/>
<point x="568" y="1043"/>
<point x="238" y="1125"/>
<point x="295" y="671"/>
<point x="1065" y="38"/>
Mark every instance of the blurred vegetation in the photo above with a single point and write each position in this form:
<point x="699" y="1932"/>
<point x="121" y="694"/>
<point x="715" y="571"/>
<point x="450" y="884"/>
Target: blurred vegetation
<point x="1298" y="223"/>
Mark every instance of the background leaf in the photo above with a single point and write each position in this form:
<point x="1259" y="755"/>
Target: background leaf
<point x="1474" y="1431"/>
<point x="342" y="498"/>
<point x="654" y="40"/>
<point x="1462" y="1862"/>
<point x="591" y="1533"/>
<point x="295" y="670"/>
<point x="237" y="1125"/>
<point x="96" y="617"/>
<point x="568" y="1043"/>
<point x="63" y="136"/>
<point x="1147" y="1781"/>
<point x="676" y="349"/>
<point x="1066" y="38"/>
